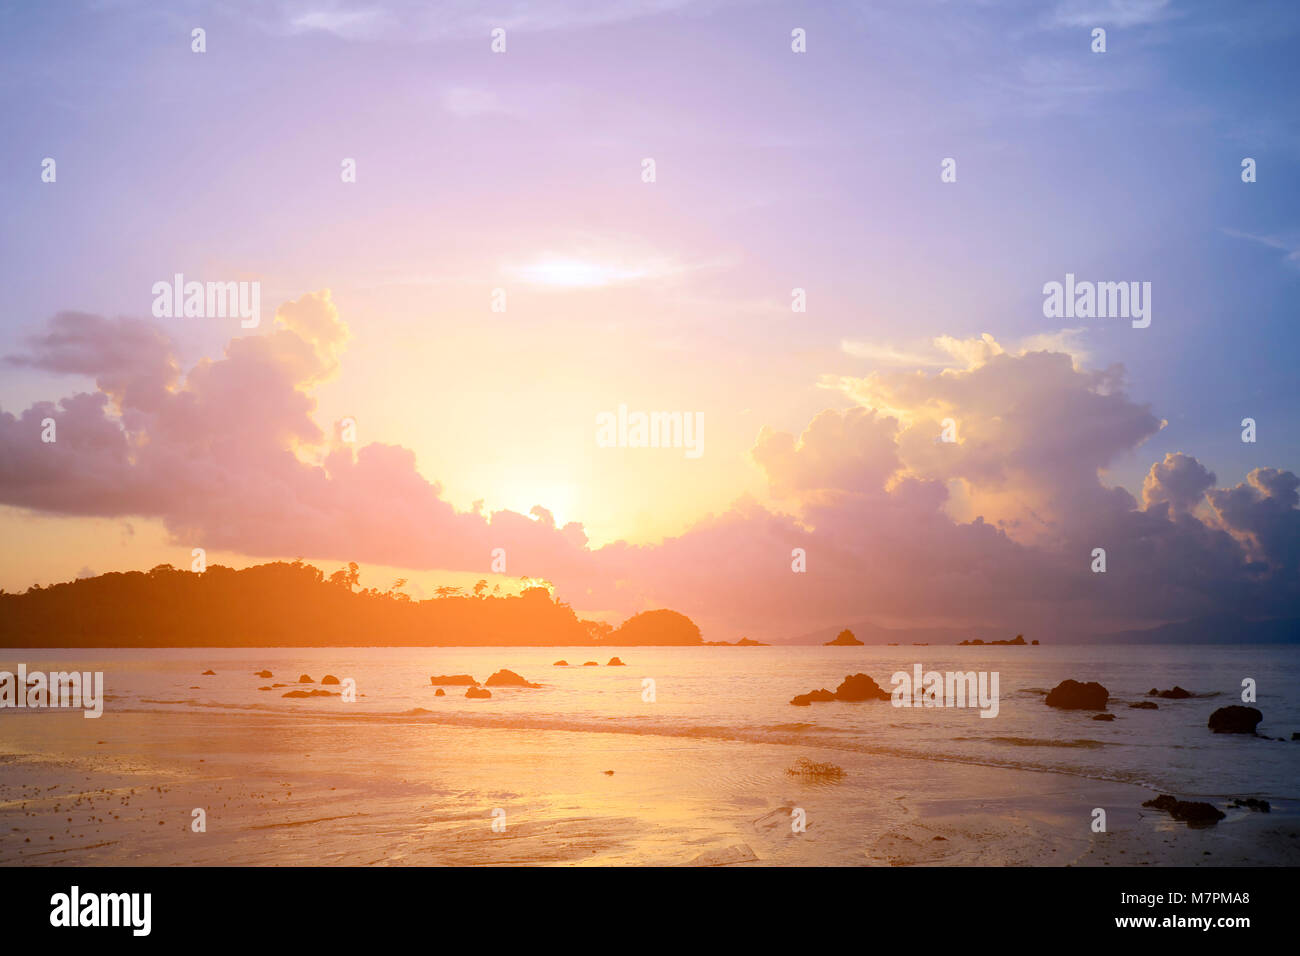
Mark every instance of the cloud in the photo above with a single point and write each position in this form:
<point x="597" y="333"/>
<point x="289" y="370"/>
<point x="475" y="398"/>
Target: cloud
<point x="1107" y="13"/>
<point x="586" y="271"/>
<point x="231" y="457"/>
<point x="1289" y="246"/>
<point x="945" y="351"/>
<point x="1178" y="484"/>
<point x="996" y="528"/>
<point x="416" y="20"/>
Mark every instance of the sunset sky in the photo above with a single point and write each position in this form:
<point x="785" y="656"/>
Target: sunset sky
<point x="775" y="170"/>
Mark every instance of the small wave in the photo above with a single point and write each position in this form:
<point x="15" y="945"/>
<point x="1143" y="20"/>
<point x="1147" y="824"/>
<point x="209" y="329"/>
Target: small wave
<point x="1082" y="742"/>
<point x="798" y="727"/>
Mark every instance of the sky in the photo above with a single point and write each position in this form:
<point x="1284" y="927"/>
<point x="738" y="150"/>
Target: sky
<point x="520" y="176"/>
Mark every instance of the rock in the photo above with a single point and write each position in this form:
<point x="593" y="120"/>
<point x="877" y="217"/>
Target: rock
<point x="803" y="767"/>
<point x="609" y="773"/>
<point x="615" y="662"/>
<point x="1072" y="695"/>
<point x="478" y="692"/>
<point x="264" y="674"/>
<point x="1295" y="735"/>
<point x="208" y="674"/>
<point x="803" y="700"/>
<point x="1250" y="803"/>
<point x="1145" y="705"/>
<point x="439" y="693"/>
<point x="590" y="664"/>
<point x="453" y="680"/>
<point x="329" y="679"/>
<point x="266" y="688"/>
<point x="1177" y="693"/>
<point x="858" y="687"/>
<point x="504" y="678"/>
<point x="560" y="664"/>
<point x="304" y="679"/>
<point x="844" y="638"/>
<point x="310" y="693"/>
<point x="1235" y="719"/>
<point x="1193" y="812"/>
<point x="1103" y="716"/>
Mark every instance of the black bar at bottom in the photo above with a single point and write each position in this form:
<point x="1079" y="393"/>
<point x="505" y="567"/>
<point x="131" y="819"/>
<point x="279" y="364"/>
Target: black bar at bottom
<point x="945" y="906"/>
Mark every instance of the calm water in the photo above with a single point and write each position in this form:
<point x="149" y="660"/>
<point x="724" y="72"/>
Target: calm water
<point x="742" y="694"/>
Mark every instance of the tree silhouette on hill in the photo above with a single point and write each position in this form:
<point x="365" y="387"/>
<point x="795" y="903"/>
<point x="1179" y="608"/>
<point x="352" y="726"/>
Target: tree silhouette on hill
<point x="293" y="604"/>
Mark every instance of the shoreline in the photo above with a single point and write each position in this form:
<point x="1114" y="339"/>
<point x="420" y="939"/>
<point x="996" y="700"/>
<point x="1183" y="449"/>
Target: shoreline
<point x="344" y="792"/>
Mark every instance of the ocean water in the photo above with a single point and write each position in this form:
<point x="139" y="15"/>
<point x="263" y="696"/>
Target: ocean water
<point x="742" y="695"/>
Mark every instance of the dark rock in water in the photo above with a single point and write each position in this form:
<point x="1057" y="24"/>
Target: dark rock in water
<point x="266" y="688"/>
<point x="208" y="674"/>
<point x="478" y="692"/>
<point x="1103" y="716"/>
<point x="1177" y="693"/>
<point x="858" y="687"/>
<point x="1072" y="695"/>
<point x="803" y="700"/>
<point x="504" y="678"/>
<point x="844" y="638"/>
<point x="590" y="664"/>
<point x="329" y="679"/>
<point x="615" y="662"/>
<point x="609" y="773"/>
<point x="1295" y="735"/>
<point x="263" y="674"/>
<point x="1145" y="705"/>
<point x="310" y="693"/>
<point x="1251" y="803"/>
<point x="304" y="679"/>
<point x="1192" y="812"/>
<point x="560" y="664"/>
<point x="453" y="680"/>
<point x="854" y="688"/>
<point x="439" y="693"/>
<point x="1235" y="720"/>
<point x="1154" y="692"/>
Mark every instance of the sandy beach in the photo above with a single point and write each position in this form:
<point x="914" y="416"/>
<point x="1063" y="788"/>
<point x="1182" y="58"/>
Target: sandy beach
<point x="350" y="791"/>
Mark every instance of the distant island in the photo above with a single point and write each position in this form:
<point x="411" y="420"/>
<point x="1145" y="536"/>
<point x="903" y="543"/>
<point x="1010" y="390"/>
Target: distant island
<point x="1018" y="640"/>
<point x="283" y="604"/>
<point x="844" y="638"/>
<point x="743" y="642"/>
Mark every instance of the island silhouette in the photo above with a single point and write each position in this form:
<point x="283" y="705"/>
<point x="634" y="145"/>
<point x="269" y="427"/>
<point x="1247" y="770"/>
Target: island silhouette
<point x="293" y="604"/>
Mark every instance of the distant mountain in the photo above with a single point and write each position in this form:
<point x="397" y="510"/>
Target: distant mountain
<point x="1214" y="629"/>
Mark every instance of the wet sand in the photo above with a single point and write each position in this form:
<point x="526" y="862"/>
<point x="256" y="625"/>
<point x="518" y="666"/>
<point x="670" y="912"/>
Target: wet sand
<point x="391" y="791"/>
